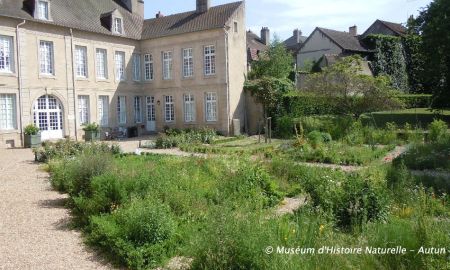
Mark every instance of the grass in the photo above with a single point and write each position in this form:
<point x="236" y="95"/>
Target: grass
<point x="420" y="117"/>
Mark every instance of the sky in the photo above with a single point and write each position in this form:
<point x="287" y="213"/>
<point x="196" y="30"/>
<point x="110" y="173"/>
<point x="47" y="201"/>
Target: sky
<point x="283" y="16"/>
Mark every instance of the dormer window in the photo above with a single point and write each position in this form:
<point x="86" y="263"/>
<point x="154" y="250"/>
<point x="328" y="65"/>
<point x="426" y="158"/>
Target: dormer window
<point x="43" y="10"/>
<point x="118" y="26"/>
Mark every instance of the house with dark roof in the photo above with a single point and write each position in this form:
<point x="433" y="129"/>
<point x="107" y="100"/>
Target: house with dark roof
<point x="66" y="63"/>
<point x="380" y="27"/>
<point x="324" y="41"/>
<point x="294" y="43"/>
<point x="257" y="44"/>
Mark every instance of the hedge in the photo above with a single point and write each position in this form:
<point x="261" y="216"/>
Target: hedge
<point x="420" y="117"/>
<point x="416" y="101"/>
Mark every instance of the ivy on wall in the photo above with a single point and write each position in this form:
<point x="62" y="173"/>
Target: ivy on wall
<point x="389" y="59"/>
<point x="415" y="64"/>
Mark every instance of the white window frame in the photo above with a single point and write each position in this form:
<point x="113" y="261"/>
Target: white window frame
<point x="167" y="63"/>
<point x="236" y="26"/>
<point x="43" y="14"/>
<point x="151" y="108"/>
<point x="103" y="110"/>
<point x="8" y="112"/>
<point x="149" y="71"/>
<point x="46" y="58"/>
<point x="189" y="108"/>
<point x="120" y="66"/>
<point x="188" y="63"/>
<point x="101" y="63"/>
<point x="83" y="109"/>
<point x="81" y="61"/>
<point x="169" y="109"/>
<point x="118" y="25"/>
<point x="209" y="60"/>
<point x="122" y="110"/>
<point x="6" y="54"/>
<point x="138" y="119"/>
<point x="136" y="67"/>
<point x="211" y="107"/>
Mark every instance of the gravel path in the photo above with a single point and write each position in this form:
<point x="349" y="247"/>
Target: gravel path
<point x="34" y="232"/>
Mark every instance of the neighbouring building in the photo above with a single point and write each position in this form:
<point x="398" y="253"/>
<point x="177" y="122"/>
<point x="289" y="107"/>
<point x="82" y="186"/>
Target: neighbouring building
<point x="380" y="27"/>
<point x="294" y="43"/>
<point x="66" y="63"/>
<point x="257" y="45"/>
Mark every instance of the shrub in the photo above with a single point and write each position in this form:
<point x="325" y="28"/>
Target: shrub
<point x="175" y="137"/>
<point x="31" y="130"/>
<point x="284" y="127"/>
<point x="91" y="127"/>
<point x="138" y="234"/>
<point x="438" y="131"/>
<point x="416" y="101"/>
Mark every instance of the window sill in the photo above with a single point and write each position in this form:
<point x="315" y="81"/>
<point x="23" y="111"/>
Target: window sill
<point x="8" y="74"/>
<point x="102" y="80"/>
<point x="213" y="76"/>
<point x="45" y="76"/>
<point x="82" y="79"/>
<point x="188" y="78"/>
<point x="9" y="131"/>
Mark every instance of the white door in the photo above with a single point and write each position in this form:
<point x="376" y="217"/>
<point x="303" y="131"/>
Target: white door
<point x="48" y="116"/>
<point x="151" y="117"/>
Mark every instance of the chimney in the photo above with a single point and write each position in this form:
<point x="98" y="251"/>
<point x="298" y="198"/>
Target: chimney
<point x="159" y="15"/>
<point x="297" y="35"/>
<point x="265" y="35"/>
<point x="353" y="30"/>
<point x="135" y="6"/>
<point x="203" y="6"/>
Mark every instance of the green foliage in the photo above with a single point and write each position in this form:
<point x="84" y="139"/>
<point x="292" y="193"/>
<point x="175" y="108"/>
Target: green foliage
<point x="438" y="131"/>
<point x="269" y="90"/>
<point x="284" y="127"/>
<point x="415" y="100"/>
<point x="276" y="62"/>
<point x="427" y="157"/>
<point x="69" y="148"/>
<point x="434" y="25"/>
<point x="31" y="130"/>
<point x="174" y="138"/>
<point x="91" y="127"/>
<point x="350" y="92"/>
<point x="420" y="117"/>
<point x="415" y="64"/>
<point x="389" y="59"/>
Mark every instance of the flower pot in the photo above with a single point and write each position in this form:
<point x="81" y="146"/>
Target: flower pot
<point x="91" y="136"/>
<point x="32" y="141"/>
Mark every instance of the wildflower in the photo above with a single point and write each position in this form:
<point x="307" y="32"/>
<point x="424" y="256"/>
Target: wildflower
<point x="321" y="228"/>
<point x="293" y="231"/>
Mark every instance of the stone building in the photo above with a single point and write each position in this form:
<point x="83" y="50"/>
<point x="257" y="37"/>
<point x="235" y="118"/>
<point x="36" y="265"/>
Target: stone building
<point x="66" y="63"/>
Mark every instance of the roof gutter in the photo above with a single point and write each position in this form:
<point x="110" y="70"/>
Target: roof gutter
<point x="227" y="74"/>
<point x="19" y="81"/>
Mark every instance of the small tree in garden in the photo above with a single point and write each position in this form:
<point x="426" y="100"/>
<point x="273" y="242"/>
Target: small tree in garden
<point x="343" y="86"/>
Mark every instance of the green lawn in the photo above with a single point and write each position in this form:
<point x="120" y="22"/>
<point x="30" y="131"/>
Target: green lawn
<point x="420" y="117"/>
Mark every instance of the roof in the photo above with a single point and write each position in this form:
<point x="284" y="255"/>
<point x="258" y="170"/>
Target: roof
<point x="254" y="46"/>
<point x="187" y="22"/>
<point x="292" y="44"/>
<point x="343" y="39"/>
<point x="78" y="14"/>
<point x="86" y="15"/>
<point x="395" y="27"/>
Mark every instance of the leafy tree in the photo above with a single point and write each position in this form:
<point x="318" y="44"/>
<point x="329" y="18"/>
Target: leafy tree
<point x="434" y="24"/>
<point x="276" y="62"/>
<point x="343" y="83"/>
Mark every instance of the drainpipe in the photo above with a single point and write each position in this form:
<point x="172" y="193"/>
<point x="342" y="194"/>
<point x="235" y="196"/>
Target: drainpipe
<point x="19" y="80"/>
<point x="73" y="85"/>
<point x="227" y="80"/>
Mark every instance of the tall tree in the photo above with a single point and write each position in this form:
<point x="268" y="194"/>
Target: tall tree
<point x="434" y="24"/>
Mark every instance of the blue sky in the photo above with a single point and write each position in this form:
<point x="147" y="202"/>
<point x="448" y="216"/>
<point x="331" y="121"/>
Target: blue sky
<point x="283" y="16"/>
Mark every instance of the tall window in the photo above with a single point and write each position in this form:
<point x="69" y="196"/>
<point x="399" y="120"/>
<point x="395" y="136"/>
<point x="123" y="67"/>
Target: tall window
<point x="101" y="64"/>
<point x="81" y="61"/>
<point x="103" y="110"/>
<point x="169" y="109"/>
<point x="188" y="63"/>
<point x="211" y="107"/>
<point x="137" y="109"/>
<point x="151" y="113"/>
<point x="6" y="54"/>
<point x="118" y="26"/>
<point x="167" y="65"/>
<point x="43" y="10"/>
<point x="189" y="108"/>
<point x="136" y="67"/>
<point x="210" y="60"/>
<point x="120" y="66"/>
<point x="83" y="109"/>
<point x="122" y="110"/>
<point x="46" y="57"/>
<point x="148" y="66"/>
<point x="7" y="111"/>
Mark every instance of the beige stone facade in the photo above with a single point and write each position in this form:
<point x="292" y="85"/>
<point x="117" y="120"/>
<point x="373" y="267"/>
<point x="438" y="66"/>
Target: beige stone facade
<point x="26" y="83"/>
